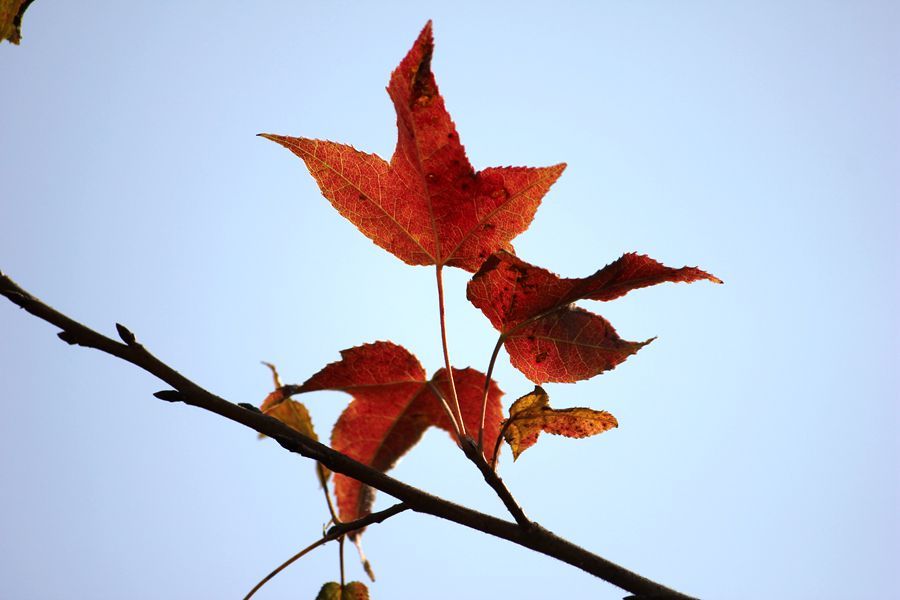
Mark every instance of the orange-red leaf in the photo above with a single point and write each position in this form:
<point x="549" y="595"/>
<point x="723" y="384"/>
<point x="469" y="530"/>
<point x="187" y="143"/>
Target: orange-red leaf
<point x="531" y="414"/>
<point x="428" y="206"/>
<point x="509" y="290"/>
<point x="393" y="404"/>
<point x="568" y="345"/>
<point x="548" y="339"/>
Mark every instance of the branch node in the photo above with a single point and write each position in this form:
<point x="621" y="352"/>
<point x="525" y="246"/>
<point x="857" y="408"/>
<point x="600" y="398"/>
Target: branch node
<point x="169" y="395"/>
<point x="126" y="335"/>
<point x="249" y="406"/>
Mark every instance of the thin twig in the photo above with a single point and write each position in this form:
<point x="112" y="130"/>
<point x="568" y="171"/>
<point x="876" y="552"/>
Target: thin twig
<point x="496" y="484"/>
<point x="285" y="565"/>
<point x="337" y="532"/>
<point x="535" y="538"/>
<point x="475" y="454"/>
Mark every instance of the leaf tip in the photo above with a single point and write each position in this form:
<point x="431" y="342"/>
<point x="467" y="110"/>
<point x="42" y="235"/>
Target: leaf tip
<point x="427" y="33"/>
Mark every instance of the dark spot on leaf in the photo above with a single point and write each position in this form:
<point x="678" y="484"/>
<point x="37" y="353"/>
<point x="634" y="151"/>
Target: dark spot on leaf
<point x="540" y="357"/>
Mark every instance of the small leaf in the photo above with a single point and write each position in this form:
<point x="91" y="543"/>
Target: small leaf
<point x="393" y="405"/>
<point x="531" y="414"/>
<point x="546" y="337"/>
<point x="292" y="413"/>
<point x="428" y="206"/>
<point x="11" y="12"/>
<point x="354" y="590"/>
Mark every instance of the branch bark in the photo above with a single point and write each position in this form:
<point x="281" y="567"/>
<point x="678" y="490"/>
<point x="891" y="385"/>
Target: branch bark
<point x="531" y="536"/>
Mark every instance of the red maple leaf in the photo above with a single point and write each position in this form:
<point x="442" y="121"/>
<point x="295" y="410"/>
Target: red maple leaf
<point x="546" y="337"/>
<point x="428" y="206"/>
<point x="393" y="404"/>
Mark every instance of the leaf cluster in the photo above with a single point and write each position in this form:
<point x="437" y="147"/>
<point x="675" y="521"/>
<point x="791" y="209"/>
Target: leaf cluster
<point x="428" y="205"/>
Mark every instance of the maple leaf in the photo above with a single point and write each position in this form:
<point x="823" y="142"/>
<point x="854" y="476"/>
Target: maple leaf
<point x="292" y="413"/>
<point x="11" y="12"/>
<point x="355" y="590"/>
<point x="546" y="337"/>
<point x="531" y="414"/>
<point x="428" y="206"/>
<point x="393" y="405"/>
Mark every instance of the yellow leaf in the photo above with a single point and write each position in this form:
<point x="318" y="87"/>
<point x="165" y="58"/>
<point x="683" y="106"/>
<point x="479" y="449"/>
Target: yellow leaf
<point x="11" y="12"/>
<point x="292" y="413"/>
<point x="531" y="414"/>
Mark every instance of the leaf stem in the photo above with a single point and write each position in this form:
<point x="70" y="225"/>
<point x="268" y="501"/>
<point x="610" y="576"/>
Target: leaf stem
<point x="487" y="387"/>
<point x="447" y="410"/>
<point x="440" y="290"/>
<point x="320" y="470"/>
<point x="341" y="555"/>
<point x="497" y="444"/>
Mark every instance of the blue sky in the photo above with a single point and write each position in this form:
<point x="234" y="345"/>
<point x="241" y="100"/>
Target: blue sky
<point x="757" y="454"/>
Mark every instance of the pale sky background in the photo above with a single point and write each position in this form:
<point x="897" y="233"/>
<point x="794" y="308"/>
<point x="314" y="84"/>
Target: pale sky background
<point x="757" y="453"/>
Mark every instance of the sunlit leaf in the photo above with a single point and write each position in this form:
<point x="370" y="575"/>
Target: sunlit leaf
<point x="546" y="337"/>
<point x="393" y="405"/>
<point x="531" y="414"/>
<point x="293" y="414"/>
<point x="428" y="205"/>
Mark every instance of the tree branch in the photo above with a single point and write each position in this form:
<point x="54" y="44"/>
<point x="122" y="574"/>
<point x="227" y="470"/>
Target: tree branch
<point x="471" y="450"/>
<point x="533" y="537"/>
